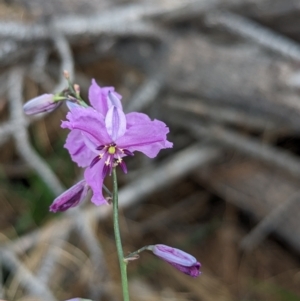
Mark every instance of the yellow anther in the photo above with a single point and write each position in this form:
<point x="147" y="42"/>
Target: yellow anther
<point x="111" y="150"/>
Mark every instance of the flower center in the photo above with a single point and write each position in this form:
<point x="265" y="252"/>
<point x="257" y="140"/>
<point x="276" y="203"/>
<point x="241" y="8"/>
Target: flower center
<point x="112" y="150"/>
<point x="112" y="156"/>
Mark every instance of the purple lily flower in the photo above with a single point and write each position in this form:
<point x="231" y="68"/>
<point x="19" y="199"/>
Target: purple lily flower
<point x="71" y="197"/>
<point x="42" y="103"/>
<point x="102" y="135"/>
<point x="182" y="261"/>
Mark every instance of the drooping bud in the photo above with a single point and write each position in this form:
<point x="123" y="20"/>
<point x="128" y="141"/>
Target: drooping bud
<point x="182" y="261"/>
<point x="70" y="198"/>
<point x="42" y="103"/>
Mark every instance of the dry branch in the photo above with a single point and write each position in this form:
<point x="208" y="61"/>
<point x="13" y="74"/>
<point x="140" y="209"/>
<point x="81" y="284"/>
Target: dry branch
<point x="252" y="147"/>
<point x="270" y="223"/>
<point x="25" y="277"/>
<point x="261" y="192"/>
<point x="225" y="114"/>
<point x="251" y="30"/>
<point x="21" y="136"/>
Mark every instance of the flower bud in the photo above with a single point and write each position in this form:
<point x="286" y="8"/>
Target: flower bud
<point x="77" y="89"/>
<point x="70" y="198"/>
<point x="66" y="74"/>
<point x="42" y="103"/>
<point x="182" y="261"/>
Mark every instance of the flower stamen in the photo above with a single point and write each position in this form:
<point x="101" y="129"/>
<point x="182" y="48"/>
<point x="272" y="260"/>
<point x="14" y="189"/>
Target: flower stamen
<point x="113" y="155"/>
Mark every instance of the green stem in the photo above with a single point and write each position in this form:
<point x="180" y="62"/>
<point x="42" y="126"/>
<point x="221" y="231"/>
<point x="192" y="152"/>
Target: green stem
<point x="123" y="264"/>
<point x="133" y="254"/>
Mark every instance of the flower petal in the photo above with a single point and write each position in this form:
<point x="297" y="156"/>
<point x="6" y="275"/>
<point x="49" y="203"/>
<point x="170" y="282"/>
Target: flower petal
<point x="114" y="99"/>
<point x="71" y="197"/>
<point x="147" y="137"/>
<point x="93" y="177"/>
<point x="136" y="119"/>
<point x="90" y="123"/>
<point x="115" y="122"/>
<point x="193" y="271"/>
<point x="79" y="151"/>
<point x="99" y="97"/>
<point x="174" y="255"/>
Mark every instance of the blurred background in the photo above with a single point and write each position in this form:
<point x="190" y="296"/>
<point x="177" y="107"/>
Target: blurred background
<point x="224" y="75"/>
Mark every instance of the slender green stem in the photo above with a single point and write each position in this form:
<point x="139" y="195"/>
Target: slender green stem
<point x="123" y="264"/>
<point x="136" y="253"/>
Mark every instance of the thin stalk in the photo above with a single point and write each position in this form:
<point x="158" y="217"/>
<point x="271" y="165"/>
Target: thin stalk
<point x="123" y="264"/>
<point x="136" y="253"/>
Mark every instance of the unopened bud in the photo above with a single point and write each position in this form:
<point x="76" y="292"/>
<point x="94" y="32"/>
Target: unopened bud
<point x="42" y="103"/>
<point x="180" y="260"/>
<point x="70" y="198"/>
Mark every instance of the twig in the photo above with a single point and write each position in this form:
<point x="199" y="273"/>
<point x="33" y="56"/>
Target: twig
<point x="84" y="226"/>
<point x="228" y="114"/>
<point x="55" y="242"/>
<point x="26" y="278"/>
<point x="185" y="208"/>
<point x="269" y="223"/>
<point x="20" y="133"/>
<point x="72" y="28"/>
<point x="11" y="51"/>
<point x="249" y="146"/>
<point x="193" y="9"/>
<point x="256" y="32"/>
<point x="147" y="92"/>
<point x="6" y="130"/>
<point x="112" y="20"/>
<point x="37" y="70"/>
<point x="7" y="47"/>
<point x="65" y="53"/>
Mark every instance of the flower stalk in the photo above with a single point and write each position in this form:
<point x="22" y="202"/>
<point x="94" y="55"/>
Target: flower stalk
<point x="135" y="254"/>
<point x="123" y="263"/>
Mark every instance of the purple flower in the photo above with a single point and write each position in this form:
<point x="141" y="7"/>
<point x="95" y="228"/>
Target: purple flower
<point x="182" y="261"/>
<point x="42" y="103"/>
<point x="102" y="135"/>
<point x="70" y="198"/>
